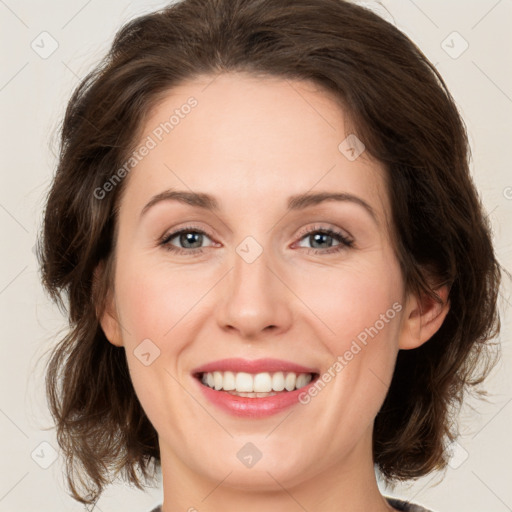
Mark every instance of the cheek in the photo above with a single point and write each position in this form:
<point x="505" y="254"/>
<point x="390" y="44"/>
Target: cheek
<point x="152" y="302"/>
<point x="152" y="306"/>
<point x="360" y="313"/>
<point x="353" y="304"/>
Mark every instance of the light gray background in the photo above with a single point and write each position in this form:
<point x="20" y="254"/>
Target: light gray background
<point x="33" y="95"/>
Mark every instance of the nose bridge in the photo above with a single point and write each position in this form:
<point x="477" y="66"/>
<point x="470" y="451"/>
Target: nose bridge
<point x="255" y="299"/>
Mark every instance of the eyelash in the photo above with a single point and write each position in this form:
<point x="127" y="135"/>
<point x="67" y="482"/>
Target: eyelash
<point x="345" y="242"/>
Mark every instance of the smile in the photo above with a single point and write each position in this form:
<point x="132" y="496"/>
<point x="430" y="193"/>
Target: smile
<point x="253" y="389"/>
<point x="255" y="386"/>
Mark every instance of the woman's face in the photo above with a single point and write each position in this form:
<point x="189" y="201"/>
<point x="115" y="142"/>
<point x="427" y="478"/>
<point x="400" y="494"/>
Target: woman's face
<point x="257" y="280"/>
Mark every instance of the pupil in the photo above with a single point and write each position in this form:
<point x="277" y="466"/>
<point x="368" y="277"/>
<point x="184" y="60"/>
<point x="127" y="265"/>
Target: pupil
<point x="189" y="238"/>
<point x="318" y="238"/>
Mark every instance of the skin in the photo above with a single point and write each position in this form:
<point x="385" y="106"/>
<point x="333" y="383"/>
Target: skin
<point x="253" y="142"/>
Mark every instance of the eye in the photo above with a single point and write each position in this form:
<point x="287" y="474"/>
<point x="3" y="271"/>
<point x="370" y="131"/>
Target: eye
<point x="190" y="238"/>
<point x="322" y="239"/>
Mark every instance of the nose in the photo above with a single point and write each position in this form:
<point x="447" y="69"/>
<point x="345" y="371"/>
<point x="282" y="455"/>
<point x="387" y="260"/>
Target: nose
<point x="255" y="301"/>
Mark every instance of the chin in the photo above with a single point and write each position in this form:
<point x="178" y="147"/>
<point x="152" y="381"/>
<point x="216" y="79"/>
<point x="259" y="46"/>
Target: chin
<point x="265" y="475"/>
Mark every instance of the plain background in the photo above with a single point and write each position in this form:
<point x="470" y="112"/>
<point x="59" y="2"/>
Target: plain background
<point x="34" y="88"/>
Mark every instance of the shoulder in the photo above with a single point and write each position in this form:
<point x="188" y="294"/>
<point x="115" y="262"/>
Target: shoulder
<point x="405" y="506"/>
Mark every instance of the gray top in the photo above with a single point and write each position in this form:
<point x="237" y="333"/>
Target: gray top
<point x="404" y="506"/>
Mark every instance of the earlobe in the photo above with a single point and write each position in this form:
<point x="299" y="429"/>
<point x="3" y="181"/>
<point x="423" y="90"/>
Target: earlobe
<point x="423" y="318"/>
<point x="110" y="326"/>
<point x="107" y="315"/>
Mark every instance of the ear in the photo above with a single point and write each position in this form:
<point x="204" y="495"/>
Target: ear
<point x="422" y="318"/>
<point x="107" y="317"/>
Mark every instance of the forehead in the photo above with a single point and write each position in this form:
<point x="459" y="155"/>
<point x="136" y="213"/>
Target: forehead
<point x="252" y="139"/>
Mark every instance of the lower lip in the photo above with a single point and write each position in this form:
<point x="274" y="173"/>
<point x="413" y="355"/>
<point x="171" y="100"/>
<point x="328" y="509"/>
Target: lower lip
<point x="253" y="407"/>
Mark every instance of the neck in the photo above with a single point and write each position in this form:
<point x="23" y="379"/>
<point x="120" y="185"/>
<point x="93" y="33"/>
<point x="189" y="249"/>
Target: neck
<point x="348" y="486"/>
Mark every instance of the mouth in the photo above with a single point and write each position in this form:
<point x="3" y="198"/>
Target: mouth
<point x="259" y="385"/>
<point x="254" y="389"/>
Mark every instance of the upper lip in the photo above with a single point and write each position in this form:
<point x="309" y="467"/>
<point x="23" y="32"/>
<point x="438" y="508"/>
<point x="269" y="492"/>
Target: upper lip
<point x="252" y="366"/>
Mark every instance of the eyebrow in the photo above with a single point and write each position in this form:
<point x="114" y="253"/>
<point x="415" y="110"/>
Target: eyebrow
<point x="296" y="202"/>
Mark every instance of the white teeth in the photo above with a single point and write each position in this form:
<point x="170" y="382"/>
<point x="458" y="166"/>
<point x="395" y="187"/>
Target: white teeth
<point x="251" y="395"/>
<point x="289" y="381"/>
<point x="301" y="380"/>
<point x="278" y="381"/>
<point x="257" y="385"/>
<point x="262" y="383"/>
<point x="217" y="380"/>
<point x="244" y="382"/>
<point x="228" y="382"/>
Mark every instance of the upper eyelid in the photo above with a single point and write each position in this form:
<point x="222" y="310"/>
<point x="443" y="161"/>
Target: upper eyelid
<point x="315" y="228"/>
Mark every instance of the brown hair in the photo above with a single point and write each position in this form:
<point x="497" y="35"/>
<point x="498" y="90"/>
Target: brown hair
<point x="400" y="108"/>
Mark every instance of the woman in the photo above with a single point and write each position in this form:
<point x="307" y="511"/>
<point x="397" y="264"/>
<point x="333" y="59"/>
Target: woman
<point x="280" y="276"/>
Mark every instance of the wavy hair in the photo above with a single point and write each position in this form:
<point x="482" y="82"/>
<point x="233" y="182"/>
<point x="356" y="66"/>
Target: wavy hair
<point x="399" y="106"/>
